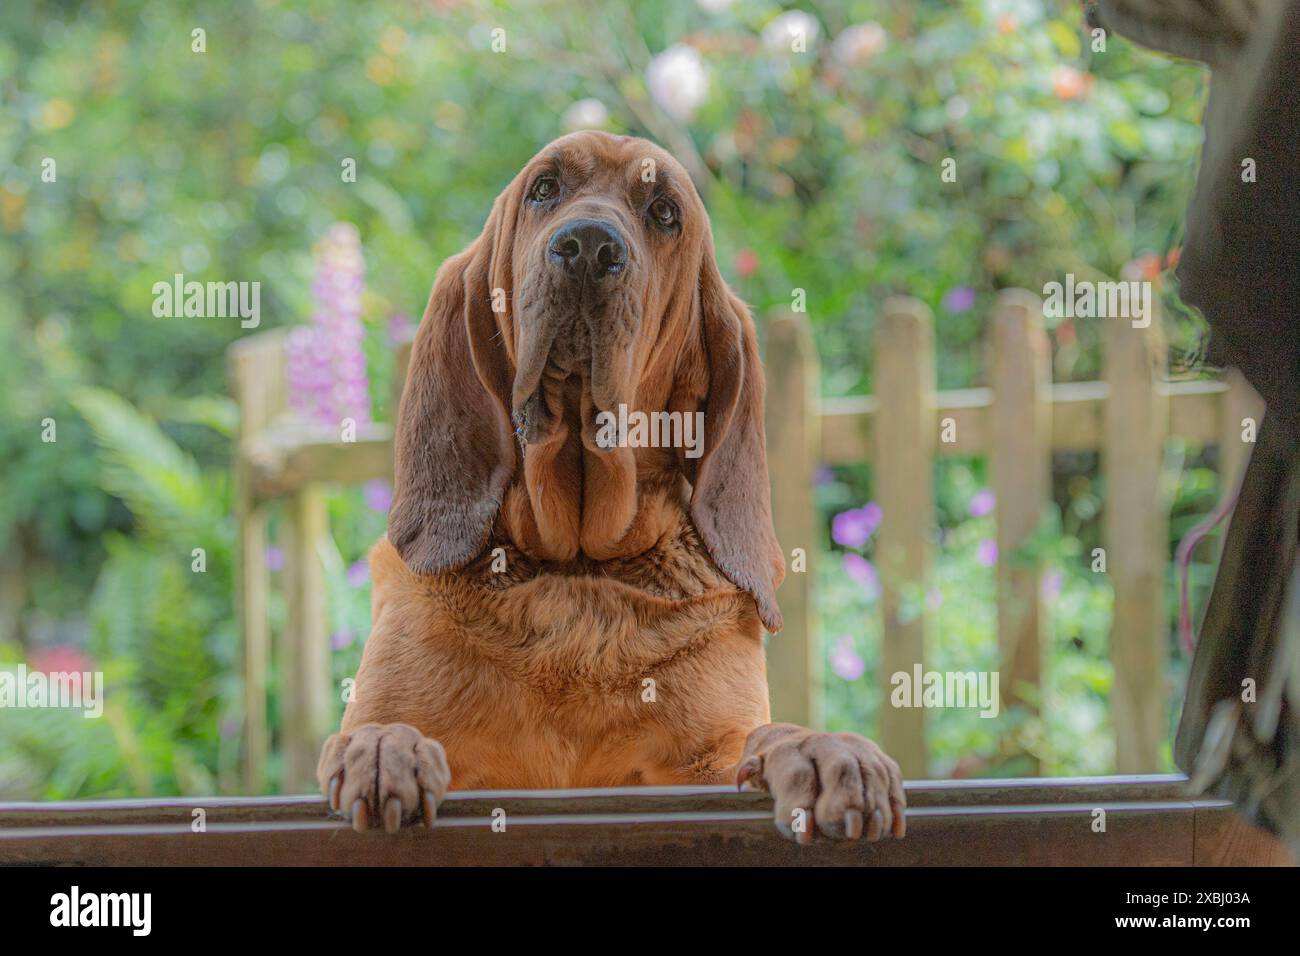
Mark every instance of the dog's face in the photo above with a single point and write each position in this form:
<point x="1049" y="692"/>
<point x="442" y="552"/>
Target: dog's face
<point x="593" y="288"/>
<point x="603" y="229"/>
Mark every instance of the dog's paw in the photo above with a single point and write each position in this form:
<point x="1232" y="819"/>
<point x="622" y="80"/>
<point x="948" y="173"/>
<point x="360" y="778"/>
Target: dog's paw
<point x="388" y="772"/>
<point x="841" y="784"/>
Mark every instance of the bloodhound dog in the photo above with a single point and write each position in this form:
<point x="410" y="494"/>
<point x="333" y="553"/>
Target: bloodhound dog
<point x="558" y="603"/>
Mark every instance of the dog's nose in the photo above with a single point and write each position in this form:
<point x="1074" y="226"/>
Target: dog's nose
<point x="590" y="246"/>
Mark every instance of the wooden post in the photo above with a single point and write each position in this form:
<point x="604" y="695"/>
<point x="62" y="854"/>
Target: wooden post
<point x="1136" y="527"/>
<point x="304" y="661"/>
<point x="903" y="461"/>
<point x="256" y="373"/>
<point x="1020" y="455"/>
<point x="794" y="657"/>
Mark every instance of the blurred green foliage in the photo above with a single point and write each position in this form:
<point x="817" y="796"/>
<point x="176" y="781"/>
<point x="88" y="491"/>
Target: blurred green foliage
<point x="821" y="172"/>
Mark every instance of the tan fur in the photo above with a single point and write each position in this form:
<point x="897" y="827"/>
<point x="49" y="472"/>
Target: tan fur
<point x="558" y="614"/>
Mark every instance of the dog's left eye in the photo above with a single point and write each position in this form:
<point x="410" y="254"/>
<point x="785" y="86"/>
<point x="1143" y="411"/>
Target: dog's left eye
<point x="663" y="212"/>
<point x="545" y="189"/>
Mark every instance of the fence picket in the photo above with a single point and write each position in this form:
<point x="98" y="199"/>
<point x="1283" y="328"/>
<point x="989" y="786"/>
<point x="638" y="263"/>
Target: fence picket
<point x="1021" y="464"/>
<point x="1136" y="519"/>
<point x="904" y="439"/>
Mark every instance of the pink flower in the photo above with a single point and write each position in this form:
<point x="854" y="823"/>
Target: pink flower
<point x="274" y="558"/>
<point x="986" y="552"/>
<point x="934" y="599"/>
<point x="863" y="572"/>
<point x="1069" y="83"/>
<point x="982" y="503"/>
<point x="859" y="43"/>
<point x="59" y="659"/>
<point x="746" y="263"/>
<point x="342" y="638"/>
<point x="853" y="528"/>
<point x="846" y="662"/>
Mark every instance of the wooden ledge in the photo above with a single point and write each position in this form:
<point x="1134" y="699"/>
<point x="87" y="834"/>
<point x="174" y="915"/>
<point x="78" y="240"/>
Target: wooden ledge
<point x="1149" y="821"/>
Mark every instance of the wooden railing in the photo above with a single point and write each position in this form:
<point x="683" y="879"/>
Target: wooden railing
<point x="1113" y="821"/>
<point x="1018" y="421"/>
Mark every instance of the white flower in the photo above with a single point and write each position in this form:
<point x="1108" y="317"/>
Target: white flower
<point x="714" y="6"/>
<point x="793" y="31"/>
<point x="857" y="44"/>
<point x="678" y="81"/>
<point x="585" y="114"/>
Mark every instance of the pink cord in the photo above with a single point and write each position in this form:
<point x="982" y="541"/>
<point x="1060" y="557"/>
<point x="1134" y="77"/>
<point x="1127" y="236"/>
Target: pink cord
<point x="1183" y="559"/>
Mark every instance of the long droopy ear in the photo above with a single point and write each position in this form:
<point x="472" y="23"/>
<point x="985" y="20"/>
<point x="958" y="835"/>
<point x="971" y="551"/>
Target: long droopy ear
<point x="731" y="497"/>
<point x="454" y="450"/>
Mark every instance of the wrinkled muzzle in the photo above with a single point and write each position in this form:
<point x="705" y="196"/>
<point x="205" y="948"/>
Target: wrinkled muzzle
<point x="577" y="319"/>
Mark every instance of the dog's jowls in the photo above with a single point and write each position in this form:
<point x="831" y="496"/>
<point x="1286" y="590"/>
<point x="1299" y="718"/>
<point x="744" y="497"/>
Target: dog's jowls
<point x="552" y="612"/>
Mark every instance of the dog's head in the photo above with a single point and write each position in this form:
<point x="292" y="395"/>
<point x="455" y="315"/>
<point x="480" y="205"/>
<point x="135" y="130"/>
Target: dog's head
<point x="592" y="290"/>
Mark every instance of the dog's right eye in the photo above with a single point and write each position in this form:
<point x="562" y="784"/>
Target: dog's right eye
<point x="544" y="189"/>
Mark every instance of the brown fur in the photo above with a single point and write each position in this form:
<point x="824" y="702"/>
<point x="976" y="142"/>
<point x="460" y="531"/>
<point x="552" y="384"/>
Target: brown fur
<point x="621" y="642"/>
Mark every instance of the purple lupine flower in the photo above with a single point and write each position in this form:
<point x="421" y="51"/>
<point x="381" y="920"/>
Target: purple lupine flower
<point x="852" y="528"/>
<point x="986" y="552"/>
<point x="378" y="495"/>
<point x="863" y="572"/>
<point x="982" y="503"/>
<point x="358" y="573"/>
<point x="274" y="558"/>
<point x="326" y="366"/>
<point x="825" y="475"/>
<point x="958" y="299"/>
<point x="846" y="662"/>
<point x="342" y="638"/>
<point x="1050" y="584"/>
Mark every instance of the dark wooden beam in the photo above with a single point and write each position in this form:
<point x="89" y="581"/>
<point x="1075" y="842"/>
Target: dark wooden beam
<point x="1149" y="821"/>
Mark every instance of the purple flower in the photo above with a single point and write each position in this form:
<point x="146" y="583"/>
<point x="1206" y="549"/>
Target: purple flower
<point x="982" y="503"/>
<point x="958" y="299"/>
<point x="852" y="528"/>
<point x="825" y="475"/>
<point x="341" y="638"/>
<point x="863" y="572"/>
<point x="326" y="367"/>
<point x="845" y="661"/>
<point x="1050" y="585"/>
<point x="986" y="552"/>
<point x="358" y="574"/>
<point x="274" y="558"/>
<point x="378" y="495"/>
<point x="934" y="599"/>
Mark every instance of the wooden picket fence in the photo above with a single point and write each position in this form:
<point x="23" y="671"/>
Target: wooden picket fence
<point x="1018" y="421"/>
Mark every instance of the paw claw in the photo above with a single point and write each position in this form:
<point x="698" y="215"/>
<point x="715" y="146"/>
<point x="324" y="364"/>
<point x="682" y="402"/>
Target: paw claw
<point x="751" y="767"/>
<point x="875" y="827"/>
<point x="393" y="815"/>
<point x="334" y="794"/>
<point x="853" y="823"/>
<point x="430" y="806"/>
<point x="360" y="816"/>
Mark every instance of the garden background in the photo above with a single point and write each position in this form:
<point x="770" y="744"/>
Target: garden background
<point x="821" y="172"/>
